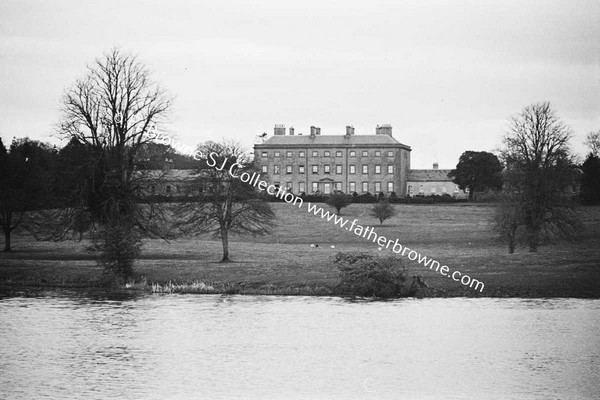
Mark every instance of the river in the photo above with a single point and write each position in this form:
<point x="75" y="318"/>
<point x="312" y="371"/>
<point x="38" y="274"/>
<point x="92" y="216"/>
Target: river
<point x="69" y="345"/>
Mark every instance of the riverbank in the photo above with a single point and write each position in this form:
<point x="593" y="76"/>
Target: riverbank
<point x="285" y="263"/>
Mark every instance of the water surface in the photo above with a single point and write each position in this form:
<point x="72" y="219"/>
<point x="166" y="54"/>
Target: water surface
<point x="73" y="346"/>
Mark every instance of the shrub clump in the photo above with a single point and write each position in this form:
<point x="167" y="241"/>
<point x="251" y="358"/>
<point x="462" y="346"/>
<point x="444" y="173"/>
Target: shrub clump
<point x="338" y="201"/>
<point x="370" y="275"/>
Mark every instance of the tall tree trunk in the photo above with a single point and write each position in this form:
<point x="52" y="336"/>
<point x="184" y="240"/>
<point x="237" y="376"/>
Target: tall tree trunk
<point x="225" y="241"/>
<point x="534" y="240"/>
<point x="7" y="239"/>
<point x="512" y="239"/>
<point x="6" y="220"/>
<point x="471" y="193"/>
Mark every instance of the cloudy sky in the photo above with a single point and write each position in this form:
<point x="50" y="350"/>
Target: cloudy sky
<point x="446" y="75"/>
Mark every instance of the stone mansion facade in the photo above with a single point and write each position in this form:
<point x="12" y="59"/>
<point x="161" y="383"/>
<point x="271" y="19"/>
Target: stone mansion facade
<point x="348" y="163"/>
<point x="327" y="163"/>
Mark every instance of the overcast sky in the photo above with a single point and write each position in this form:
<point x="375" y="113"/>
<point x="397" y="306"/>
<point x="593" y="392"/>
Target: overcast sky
<point x="446" y="75"/>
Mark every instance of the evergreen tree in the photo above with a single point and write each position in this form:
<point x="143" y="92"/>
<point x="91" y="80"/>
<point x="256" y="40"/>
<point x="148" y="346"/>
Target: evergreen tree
<point x="590" y="181"/>
<point x="338" y="201"/>
<point x="25" y="183"/>
<point x="476" y="171"/>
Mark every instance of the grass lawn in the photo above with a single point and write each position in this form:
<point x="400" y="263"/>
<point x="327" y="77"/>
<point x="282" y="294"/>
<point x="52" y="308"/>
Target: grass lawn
<point x="456" y="235"/>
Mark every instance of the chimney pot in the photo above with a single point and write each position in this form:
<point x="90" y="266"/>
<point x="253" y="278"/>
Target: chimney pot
<point x="435" y="165"/>
<point x="279" y="129"/>
<point x="385" y="129"/>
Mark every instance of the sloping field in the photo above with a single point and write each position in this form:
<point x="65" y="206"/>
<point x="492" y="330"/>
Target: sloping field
<point x="456" y="235"/>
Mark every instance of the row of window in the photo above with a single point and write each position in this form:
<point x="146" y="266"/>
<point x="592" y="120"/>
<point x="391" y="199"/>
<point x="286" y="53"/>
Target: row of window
<point x="167" y="189"/>
<point x="326" y="169"/>
<point x="327" y="187"/>
<point x="326" y="153"/>
<point x="433" y="189"/>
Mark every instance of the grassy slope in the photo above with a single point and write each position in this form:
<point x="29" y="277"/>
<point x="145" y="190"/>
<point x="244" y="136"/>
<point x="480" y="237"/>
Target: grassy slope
<point x="455" y="235"/>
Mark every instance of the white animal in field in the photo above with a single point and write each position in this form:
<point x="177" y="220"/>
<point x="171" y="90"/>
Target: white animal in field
<point x="312" y="245"/>
<point x="333" y="247"/>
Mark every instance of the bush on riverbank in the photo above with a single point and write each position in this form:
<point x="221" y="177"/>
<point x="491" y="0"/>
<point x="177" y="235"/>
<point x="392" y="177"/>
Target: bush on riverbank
<point x="369" y="275"/>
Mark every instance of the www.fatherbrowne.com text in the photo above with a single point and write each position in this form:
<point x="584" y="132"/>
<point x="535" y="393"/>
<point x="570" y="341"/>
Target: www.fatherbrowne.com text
<point x="359" y="230"/>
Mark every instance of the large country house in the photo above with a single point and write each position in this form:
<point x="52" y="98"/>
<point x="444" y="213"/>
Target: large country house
<point x="316" y="163"/>
<point x="326" y="163"/>
<point x="348" y="163"/>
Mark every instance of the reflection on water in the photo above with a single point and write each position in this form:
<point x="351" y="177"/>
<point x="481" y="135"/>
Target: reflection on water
<point x="64" y="345"/>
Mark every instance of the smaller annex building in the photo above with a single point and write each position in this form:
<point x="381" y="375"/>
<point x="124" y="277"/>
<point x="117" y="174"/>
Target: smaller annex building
<point x="168" y="182"/>
<point x="432" y="182"/>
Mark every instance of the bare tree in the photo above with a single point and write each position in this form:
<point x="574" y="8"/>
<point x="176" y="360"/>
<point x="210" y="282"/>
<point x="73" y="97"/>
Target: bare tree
<point x="226" y="204"/>
<point x="539" y="172"/>
<point x="111" y="113"/>
<point x="115" y="108"/>
<point x="592" y="141"/>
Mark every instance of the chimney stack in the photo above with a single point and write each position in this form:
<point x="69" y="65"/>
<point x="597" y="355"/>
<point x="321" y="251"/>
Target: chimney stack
<point x="291" y="131"/>
<point x="314" y="131"/>
<point x="385" y="129"/>
<point x="279" y="129"/>
<point x="349" y="130"/>
<point x="435" y="165"/>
